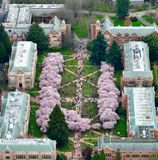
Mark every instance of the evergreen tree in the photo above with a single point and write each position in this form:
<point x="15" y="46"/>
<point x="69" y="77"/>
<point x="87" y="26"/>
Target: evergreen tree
<point x="102" y="156"/>
<point x="95" y="157"/>
<point x="86" y="153"/>
<point x="122" y="8"/>
<point x="98" y="50"/>
<point x="114" y="55"/>
<point x="5" y="45"/>
<point x="57" y="127"/>
<point x="152" y="41"/>
<point x="37" y="35"/>
<point x="118" y="155"/>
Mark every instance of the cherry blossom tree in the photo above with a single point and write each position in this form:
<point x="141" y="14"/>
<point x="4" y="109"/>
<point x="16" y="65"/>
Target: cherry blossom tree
<point x="49" y="83"/>
<point x="108" y="97"/>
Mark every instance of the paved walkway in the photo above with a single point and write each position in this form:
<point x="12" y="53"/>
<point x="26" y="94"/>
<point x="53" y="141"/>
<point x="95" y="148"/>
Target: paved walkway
<point x="144" y="21"/>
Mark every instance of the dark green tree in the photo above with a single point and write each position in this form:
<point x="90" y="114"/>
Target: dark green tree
<point x="102" y="156"/>
<point x="37" y="35"/>
<point x="98" y="49"/>
<point x="114" y="55"/>
<point x="152" y="41"/>
<point x="87" y="153"/>
<point x="118" y="155"/>
<point x="95" y="157"/>
<point x="57" y="127"/>
<point x="122" y="8"/>
<point x="5" y="45"/>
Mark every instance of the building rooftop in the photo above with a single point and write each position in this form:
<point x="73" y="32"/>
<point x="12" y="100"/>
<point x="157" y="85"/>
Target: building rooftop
<point x="28" y="145"/>
<point x="22" y="56"/>
<point x="127" y="144"/>
<point x="141" y="111"/>
<point x="107" y="25"/>
<point x="136" y="60"/>
<point x="12" y="119"/>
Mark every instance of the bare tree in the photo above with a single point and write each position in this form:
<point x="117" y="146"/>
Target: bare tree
<point x="75" y="6"/>
<point x="90" y="5"/>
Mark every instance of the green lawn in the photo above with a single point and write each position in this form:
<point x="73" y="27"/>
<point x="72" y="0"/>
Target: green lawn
<point x="92" y="141"/>
<point x="90" y="134"/>
<point x="67" y="148"/>
<point x="68" y="91"/>
<point x="137" y="23"/>
<point x="94" y="78"/>
<point x="117" y="75"/>
<point x="34" y="129"/>
<point x="34" y="91"/>
<point x="149" y="19"/>
<point x="80" y="27"/>
<point x="67" y="51"/>
<point x="89" y="110"/>
<point x="70" y="106"/>
<point x="72" y="68"/>
<point x="67" y="77"/>
<point x="88" y="90"/>
<point x="41" y="57"/>
<point x="117" y="22"/>
<point x="72" y="62"/>
<point x="89" y="69"/>
<point x="121" y="127"/>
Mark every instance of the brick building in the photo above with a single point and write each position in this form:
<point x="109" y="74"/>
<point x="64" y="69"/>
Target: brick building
<point x="136" y="62"/>
<point x="142" y="120"/>
<point x="121" y="34"/>
<point x="130" y="149"/>
<point x="22" y="65"/>
<point x="14" y="121"/>
<point x="19" y="18"/>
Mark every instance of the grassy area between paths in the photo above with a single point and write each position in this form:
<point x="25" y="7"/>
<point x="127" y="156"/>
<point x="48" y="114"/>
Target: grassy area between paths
<point x="34" y="129"/>
<point x="149" y="19"/>
<point x="68" y="148"/>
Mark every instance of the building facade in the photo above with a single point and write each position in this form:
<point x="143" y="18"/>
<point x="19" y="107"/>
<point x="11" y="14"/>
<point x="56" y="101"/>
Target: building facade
<point x="130" y="149"/>
<point x="27" y="149"/>
<point x="22" y="65"/>
<point x="15" y="113"/>
<point x="14" y="121"/>
<point x="19" y="18"/>
<point x="121" y="34"/>
<point x="136" y="62"/>
<point x="142" y="119"/>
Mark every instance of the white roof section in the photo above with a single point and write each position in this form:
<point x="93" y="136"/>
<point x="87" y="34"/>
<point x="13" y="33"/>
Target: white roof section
<point x="15" y="107"/>
<point x="144" y="110"/>
<point x="141" y="110"/>
<point x="13" y="15"/>
<point x="22" y="56"/>
<point x="24" y="16"/>
<point x="136" y="60"/>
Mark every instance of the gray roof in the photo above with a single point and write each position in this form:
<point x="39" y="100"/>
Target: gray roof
<point x="107" y="25"/>
<point x="28" y="145"/>
<point x="56" y="24"/>
<point x="136" y="60"/>
<point x="127" y="144"/>
<point x="14" y="109"/>
<point x="141" y="111"/>
<point x="22" y="56"/>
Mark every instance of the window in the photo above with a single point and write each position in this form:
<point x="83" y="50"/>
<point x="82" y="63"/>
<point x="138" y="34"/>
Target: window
<point x="7" y="157"/>
<point x="33" y="156"/>
<point x="20" y="157"/>
<point x="108" y="154"/>
<point x="145" y="156"/>
<point x="130" y="83"/>
<point x="127" y="155"/>
<point x="135" y="155"/>
<point x="46" y="156"/>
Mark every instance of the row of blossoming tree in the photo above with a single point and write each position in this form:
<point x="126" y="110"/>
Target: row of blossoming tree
<point x="108" y="97"/>
<point x="49" y="82"/>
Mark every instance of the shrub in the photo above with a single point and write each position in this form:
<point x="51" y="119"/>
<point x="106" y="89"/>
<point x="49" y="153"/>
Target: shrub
<point x="134" y="19"/>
